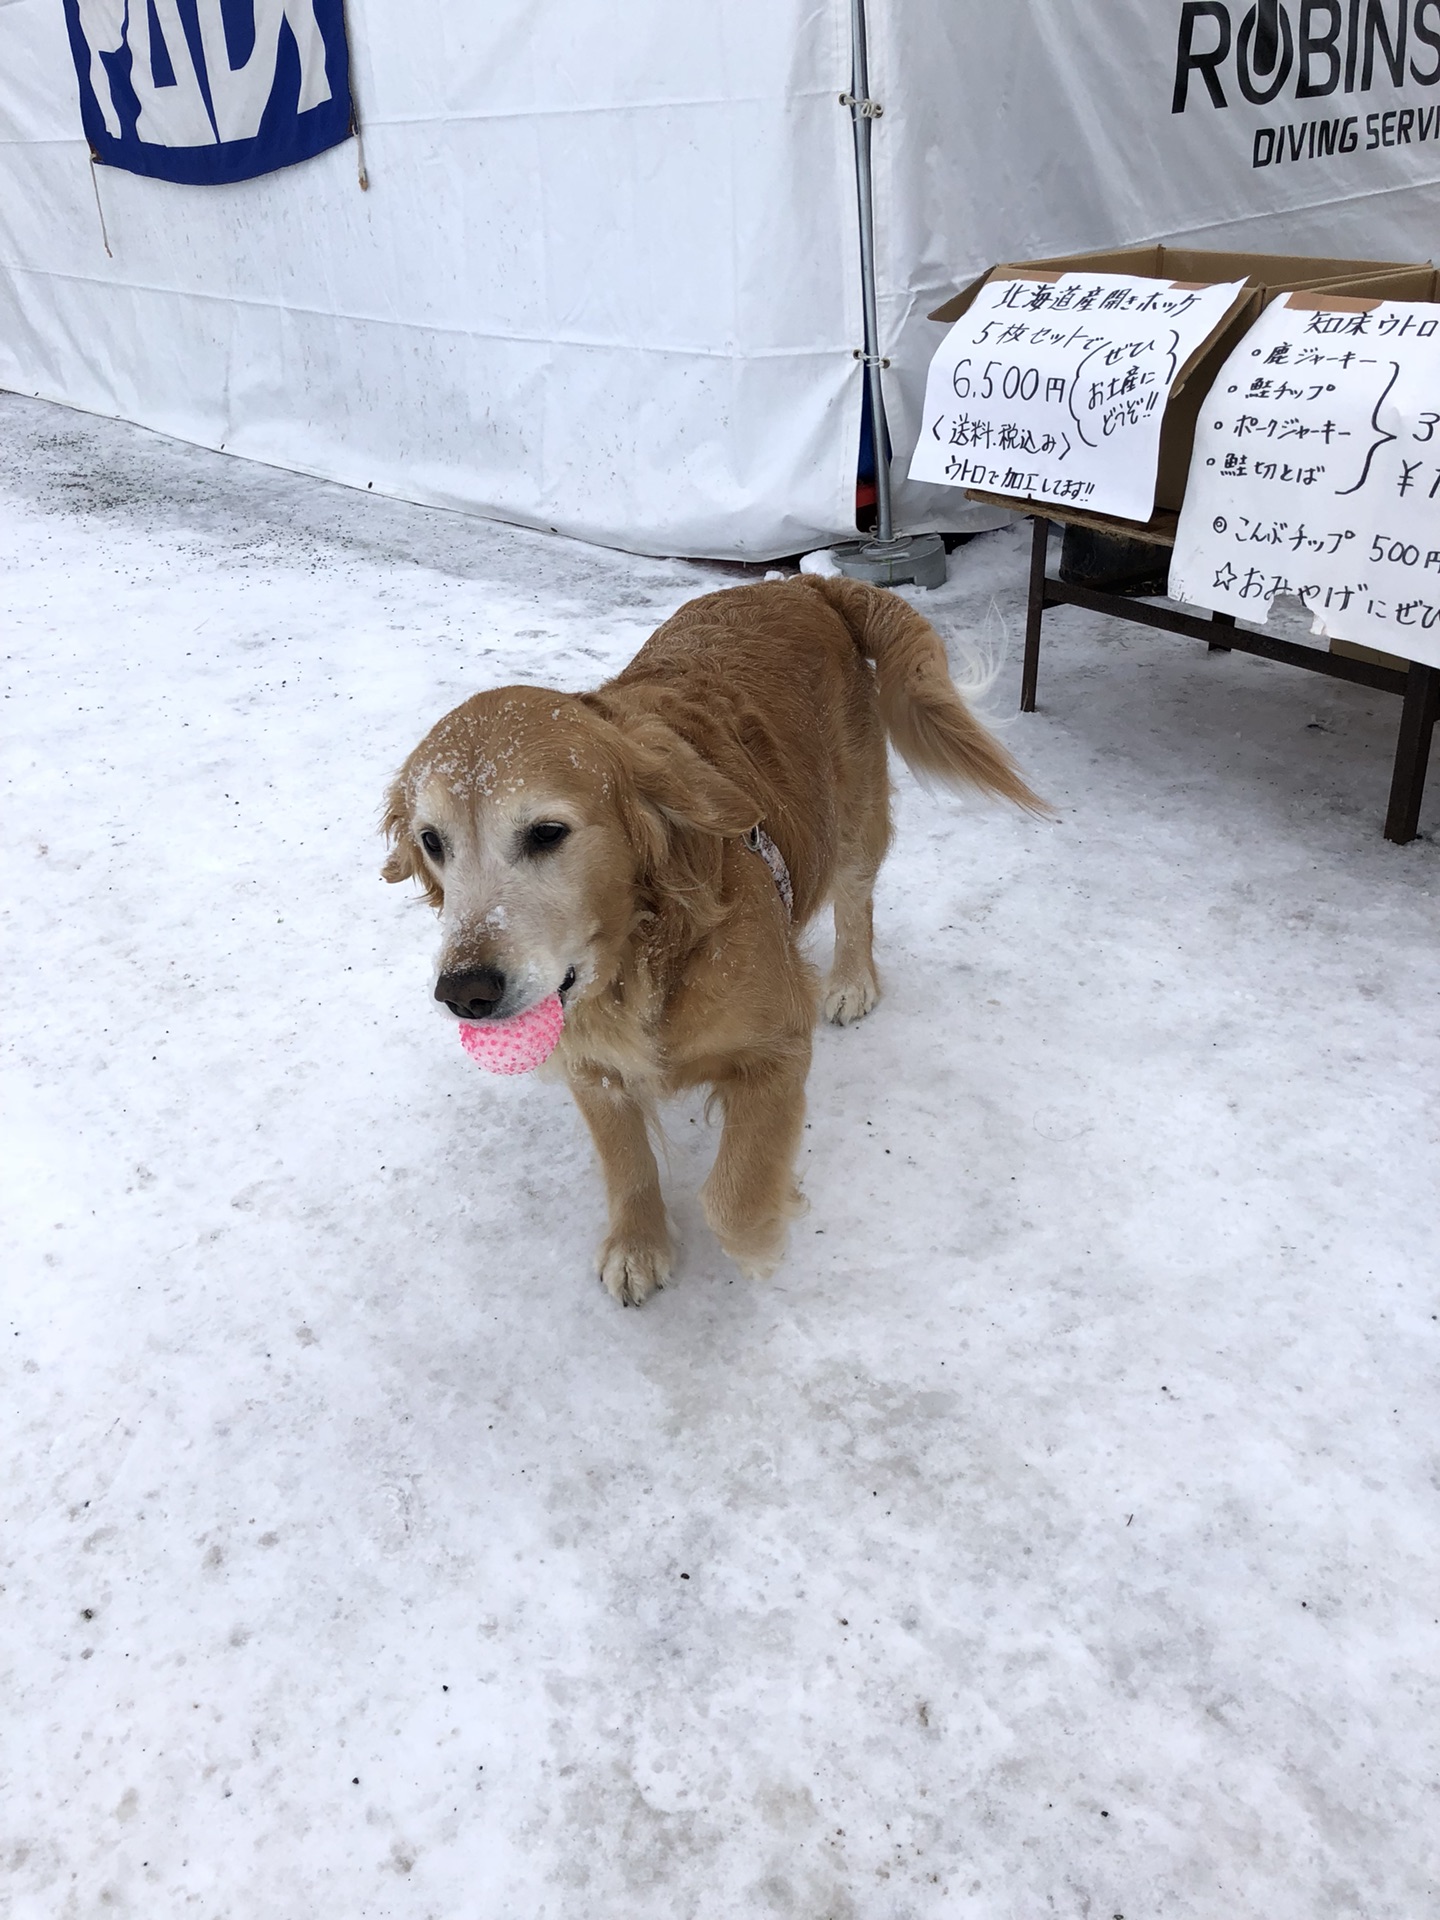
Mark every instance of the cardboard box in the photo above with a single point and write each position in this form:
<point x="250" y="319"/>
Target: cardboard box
<point x="1276" y="270"/>
<point x="1267" y="274"/>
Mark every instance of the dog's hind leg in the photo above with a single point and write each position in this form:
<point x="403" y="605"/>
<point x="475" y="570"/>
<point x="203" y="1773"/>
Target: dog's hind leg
<point x="853" y="986"/>
<point x="750" y="1197"/>
<point x="638" y="1254"/>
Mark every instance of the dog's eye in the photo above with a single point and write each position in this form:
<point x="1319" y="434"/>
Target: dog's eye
<point x="433" y="844"/>
<point x="544" y="835"/>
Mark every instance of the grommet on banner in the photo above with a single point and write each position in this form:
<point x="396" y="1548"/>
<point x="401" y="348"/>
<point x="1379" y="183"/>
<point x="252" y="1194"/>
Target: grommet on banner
<point x="95" y="183"/>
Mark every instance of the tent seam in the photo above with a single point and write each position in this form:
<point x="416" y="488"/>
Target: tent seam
<point x="430" y="326"/>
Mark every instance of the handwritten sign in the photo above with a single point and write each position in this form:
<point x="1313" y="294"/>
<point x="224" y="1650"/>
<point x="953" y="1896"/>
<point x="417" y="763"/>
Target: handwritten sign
<point x="1316" y="472"/>
<point x="1055" y="390"/>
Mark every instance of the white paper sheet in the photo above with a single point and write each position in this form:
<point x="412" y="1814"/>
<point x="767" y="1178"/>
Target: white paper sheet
<point x="1316" y="472"/>
<point x="1056" y="390"/>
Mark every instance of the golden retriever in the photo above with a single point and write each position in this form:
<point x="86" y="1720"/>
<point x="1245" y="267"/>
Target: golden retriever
<point x="634" y="848"/>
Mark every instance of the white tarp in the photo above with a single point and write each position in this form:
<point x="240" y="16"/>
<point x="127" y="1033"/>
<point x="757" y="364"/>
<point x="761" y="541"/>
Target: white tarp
<point x="606" y="275"/>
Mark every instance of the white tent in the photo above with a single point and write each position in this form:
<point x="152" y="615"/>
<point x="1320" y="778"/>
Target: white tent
<point x="606" y="276"/>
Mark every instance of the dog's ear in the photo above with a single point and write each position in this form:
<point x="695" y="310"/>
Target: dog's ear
<point x="671" y="775"/>
<point x="404" y="861"/>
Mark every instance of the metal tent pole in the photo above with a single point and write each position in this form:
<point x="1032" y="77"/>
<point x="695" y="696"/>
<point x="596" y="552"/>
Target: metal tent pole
<point x="863" y="111"/>
<point x="885" y="560"/>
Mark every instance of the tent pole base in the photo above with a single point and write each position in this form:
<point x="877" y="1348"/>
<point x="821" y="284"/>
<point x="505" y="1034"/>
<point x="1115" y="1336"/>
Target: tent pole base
<point x="910" y="557"/>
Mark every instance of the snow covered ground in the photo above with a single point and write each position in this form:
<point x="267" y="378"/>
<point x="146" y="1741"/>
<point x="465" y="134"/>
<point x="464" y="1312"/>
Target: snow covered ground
<point x="1056" y="1535"/>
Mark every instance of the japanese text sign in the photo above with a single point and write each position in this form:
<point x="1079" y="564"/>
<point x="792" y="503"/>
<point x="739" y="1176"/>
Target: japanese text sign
<point x="1055" y="390"/>
<point x="1316" y="472"/>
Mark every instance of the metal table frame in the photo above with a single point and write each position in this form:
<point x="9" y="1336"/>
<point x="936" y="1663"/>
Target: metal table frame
<point x="1418" y="686"/>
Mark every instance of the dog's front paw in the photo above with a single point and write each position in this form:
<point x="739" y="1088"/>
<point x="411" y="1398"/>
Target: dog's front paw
<point x="847" y="1001"/>
<point x="758" y="1255"/>
<point x="633" y="1273"/>
<point x="757" y="1246"/>
<point x="758" y="1266"/>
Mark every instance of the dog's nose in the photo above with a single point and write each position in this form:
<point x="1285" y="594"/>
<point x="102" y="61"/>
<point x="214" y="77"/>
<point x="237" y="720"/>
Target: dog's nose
<point x="472" y="994"/>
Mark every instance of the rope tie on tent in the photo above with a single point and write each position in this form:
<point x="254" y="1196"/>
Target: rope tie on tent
<point x="95" y="183"/>
<point x="362" y="172"/>
<point x="867" y="109"/>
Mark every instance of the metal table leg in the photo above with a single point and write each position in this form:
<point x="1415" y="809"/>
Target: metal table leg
<point x="1221" y="620"/>
<point x="1035" y="613"/>
<point x="1412" y="752"/>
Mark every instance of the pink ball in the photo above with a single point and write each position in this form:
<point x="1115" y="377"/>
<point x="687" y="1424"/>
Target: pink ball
<point x="518" y="1044"/>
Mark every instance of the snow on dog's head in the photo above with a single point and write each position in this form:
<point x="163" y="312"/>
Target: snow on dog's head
<point x="536" y="827"/>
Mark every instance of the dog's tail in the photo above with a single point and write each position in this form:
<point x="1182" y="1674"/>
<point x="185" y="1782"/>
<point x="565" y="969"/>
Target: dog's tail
<point x="932" y="728"/>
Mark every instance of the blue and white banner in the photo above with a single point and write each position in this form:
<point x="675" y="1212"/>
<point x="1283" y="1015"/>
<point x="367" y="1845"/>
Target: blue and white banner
<point x="209" y="91"/>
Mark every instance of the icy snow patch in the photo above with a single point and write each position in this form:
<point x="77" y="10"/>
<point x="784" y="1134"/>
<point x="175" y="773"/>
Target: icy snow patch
<point x="1054" y="1535"/>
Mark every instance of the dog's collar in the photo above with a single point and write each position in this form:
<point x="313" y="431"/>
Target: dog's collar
<point x="760" y="842"/>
